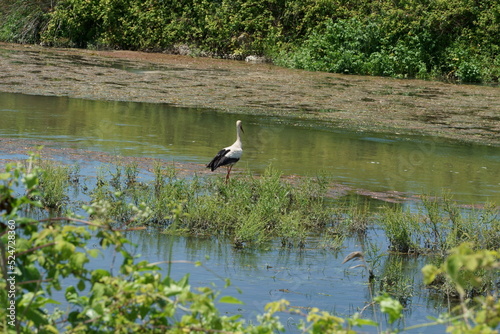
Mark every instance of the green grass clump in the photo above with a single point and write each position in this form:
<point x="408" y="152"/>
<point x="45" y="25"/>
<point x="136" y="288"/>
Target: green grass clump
<point x="54" y="183"/>
<point x="252" y="209"/>
<point x="247" y="209"/>
<point x="402" y="230"/>
<point x="440" y="225"/>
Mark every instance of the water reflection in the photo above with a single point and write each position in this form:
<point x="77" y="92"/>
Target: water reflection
<point x="369" y="161"/>
<point x="314" y="277"/>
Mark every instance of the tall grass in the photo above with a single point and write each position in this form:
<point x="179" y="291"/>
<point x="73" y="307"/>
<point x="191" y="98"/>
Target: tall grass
<point x="248" y="209"/>
<point x="257" y="209"/>
<point x="54" y="183"/>
<point x="440" y="225"/>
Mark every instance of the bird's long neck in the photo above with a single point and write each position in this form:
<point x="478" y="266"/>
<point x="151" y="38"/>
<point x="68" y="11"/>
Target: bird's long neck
<point x="238" y="136"/>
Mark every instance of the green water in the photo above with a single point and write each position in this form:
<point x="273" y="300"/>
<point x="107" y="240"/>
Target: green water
<point x="374" y="162"/>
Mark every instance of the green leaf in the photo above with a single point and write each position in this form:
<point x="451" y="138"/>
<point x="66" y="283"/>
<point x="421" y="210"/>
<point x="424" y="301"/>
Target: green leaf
<point x="31" y="180"/>
<point x="71" y="294"/>
<point x="93" y="252"/>
<point x="453" y="266"/>
<point x="91" y="314"/>
<point x="4" y="176"/>
<point x="430" y="272"/>
<point x="230" y="300"/>
<point x="98" y="274"/>
<point x="79" y="259"/>
<point x="51" y="329"/>
<point x="81" y="285"/>
<point x="391" y="307"/>
<point x="98" y="290"/>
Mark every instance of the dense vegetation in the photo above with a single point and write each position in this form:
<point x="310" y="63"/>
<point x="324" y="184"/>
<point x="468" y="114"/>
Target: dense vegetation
<point x="457" y="40"/>
<point x="39" y="256"/>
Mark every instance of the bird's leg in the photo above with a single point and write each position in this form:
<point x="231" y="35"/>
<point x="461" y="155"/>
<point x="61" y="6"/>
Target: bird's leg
<point x="228" y="172"/>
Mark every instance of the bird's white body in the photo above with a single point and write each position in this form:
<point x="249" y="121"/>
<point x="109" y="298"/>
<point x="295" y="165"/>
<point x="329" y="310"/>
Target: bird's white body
<point x="235" y="151"/>
<point x="230" y="155"/>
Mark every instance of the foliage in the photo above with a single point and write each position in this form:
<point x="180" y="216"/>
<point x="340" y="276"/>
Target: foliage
<point x="405" y="39"/>
<point x="461" y="267"/>
<point x="23" y="21"/>
<point x="454" y="40"/>
<point x="137" y="298"/>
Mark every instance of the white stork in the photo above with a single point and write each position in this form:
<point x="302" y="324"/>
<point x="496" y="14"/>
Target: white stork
<point x="230" y="155"/>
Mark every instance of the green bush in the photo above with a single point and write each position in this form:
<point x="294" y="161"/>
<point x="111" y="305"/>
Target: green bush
<point x="23" y="21"/>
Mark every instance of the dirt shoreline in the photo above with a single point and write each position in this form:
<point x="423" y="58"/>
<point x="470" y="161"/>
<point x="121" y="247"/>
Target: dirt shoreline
<point x="468" y="113"/>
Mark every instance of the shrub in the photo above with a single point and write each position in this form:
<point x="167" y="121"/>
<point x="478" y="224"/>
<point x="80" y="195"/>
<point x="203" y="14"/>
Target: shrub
<point x="23" y="21"/>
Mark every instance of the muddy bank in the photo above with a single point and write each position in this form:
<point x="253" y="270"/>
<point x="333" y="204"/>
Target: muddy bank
<point x="460" y="112"/>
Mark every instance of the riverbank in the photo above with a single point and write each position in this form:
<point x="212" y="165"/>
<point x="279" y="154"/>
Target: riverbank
<point x="467" y="113"/>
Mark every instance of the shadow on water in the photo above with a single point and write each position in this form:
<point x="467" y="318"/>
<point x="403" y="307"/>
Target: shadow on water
<point x="375" y="162"/>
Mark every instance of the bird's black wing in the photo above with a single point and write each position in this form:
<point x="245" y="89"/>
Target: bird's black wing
<point x="218" y="160"/>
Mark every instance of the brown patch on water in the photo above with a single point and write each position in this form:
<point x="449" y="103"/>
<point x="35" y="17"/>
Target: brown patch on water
<point x="468" y="113"/>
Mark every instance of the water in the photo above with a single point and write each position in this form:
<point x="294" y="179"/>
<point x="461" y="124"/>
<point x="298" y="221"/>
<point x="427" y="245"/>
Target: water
<point x="311" y="277"/>
<point x="375" y="162"/>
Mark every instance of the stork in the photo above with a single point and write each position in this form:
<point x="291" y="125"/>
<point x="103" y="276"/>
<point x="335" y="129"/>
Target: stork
<point x="230" y="155"/>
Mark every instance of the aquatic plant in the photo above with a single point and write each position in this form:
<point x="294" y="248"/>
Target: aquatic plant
<point x="54" y="183"/>
<point x="246" y="210"/>
<point x="394" y="281"/>
<point x="440" y="225"/>
<point x="401" y="228"/>
<point x="112" y="192"/>
<point x="354" y="215"/>
<point x="257" y="209"/>
<point x="461" y="269"/>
